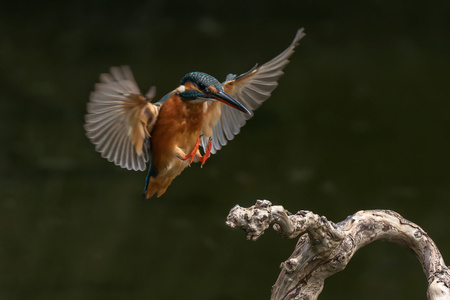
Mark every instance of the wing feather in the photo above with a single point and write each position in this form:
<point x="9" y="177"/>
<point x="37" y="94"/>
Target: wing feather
<point x="226" y="128"/>
<point x="222" y="139"/>
<point x="251" y="89"/>
<point x="119" y="119"/>
<point x="234" y="126"/>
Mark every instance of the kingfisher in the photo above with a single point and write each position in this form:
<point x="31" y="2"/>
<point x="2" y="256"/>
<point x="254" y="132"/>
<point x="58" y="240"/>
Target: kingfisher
<point x="185" y="126"/>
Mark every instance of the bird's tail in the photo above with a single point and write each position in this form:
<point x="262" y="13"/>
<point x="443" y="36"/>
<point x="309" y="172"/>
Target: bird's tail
<point x="156" y="186"/>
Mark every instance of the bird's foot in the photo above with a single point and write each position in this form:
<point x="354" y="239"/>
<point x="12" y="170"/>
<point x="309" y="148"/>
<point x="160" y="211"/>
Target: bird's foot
<point x="207" y="153"/>
<point x="193" y="153"/>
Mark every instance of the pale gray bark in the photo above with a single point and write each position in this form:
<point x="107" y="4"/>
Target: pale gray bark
<point x="325" y="248"/>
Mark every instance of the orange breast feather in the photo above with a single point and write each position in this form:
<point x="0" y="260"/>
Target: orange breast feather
<point x="174" y="135"/>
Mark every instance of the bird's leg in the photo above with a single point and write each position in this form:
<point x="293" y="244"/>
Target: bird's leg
<point x="193" y="153"/>
<point x="207" y="153"/>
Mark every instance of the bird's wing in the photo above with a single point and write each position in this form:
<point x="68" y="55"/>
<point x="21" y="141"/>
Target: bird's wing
<point x="119" y="119"/>
<point x="251" y="89"/>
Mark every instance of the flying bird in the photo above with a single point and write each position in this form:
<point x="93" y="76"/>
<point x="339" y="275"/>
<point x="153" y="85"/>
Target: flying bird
<point x="200" y="114"/>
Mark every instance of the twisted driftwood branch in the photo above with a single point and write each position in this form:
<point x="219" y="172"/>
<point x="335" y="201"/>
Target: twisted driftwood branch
<point x="327" y="248"/>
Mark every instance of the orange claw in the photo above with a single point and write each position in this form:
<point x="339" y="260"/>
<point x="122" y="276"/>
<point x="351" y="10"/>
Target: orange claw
<point x="207" y="153"/>
<point x="193" y="152"/>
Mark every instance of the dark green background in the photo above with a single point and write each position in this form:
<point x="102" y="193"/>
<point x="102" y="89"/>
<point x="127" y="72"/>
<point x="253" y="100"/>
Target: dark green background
<point x="359" y="121"/>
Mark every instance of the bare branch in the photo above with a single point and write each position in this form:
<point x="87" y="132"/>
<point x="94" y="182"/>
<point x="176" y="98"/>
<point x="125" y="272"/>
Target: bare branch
<point x="327" y="248"/>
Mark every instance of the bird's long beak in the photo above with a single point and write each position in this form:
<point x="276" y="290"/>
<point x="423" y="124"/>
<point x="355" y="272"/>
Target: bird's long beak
<point x="228" y="100"/>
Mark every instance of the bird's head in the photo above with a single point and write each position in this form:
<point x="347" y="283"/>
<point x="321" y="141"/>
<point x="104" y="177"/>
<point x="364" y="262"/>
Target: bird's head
<point x="197" y="86"/>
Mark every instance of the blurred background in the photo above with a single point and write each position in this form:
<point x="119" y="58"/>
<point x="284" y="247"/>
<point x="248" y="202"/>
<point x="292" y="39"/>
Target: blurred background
<point x="360" y="120"/>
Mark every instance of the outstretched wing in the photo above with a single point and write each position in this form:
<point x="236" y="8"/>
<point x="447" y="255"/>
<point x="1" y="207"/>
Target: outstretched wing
<point x="251" y="89"/>
<point x="119" y="119"/>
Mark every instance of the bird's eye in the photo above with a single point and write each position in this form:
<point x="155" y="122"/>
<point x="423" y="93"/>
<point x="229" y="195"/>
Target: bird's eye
<point x="191" y="95"/>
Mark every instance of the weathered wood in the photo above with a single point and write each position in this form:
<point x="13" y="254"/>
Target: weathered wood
<point x="325" y="248"/>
